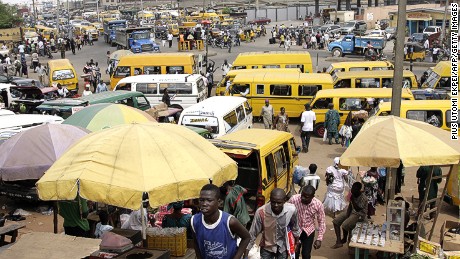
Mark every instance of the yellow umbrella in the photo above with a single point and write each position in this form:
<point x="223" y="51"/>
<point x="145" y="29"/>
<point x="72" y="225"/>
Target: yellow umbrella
<point x="117" y="165"/>
<point x="384" y="141"/>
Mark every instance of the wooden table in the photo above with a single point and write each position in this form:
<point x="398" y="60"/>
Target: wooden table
<point x="10" y="229"/>
<point x="39" y="245"/>
<point x="391" y="246"/>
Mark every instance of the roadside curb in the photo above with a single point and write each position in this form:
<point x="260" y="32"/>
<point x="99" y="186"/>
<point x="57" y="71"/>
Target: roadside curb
<point x="406" y="63"/>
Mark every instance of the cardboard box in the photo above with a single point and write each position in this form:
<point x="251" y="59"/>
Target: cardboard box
<point x="450" y="241"/>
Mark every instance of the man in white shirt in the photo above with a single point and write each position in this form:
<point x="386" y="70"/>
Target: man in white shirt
<point x="4" y="47"/>
<point x="87" y="90"/>
<point x="21" y="49"/>
<point x="62" y="91"/>
<point x="426" y="44"/>
<point x="307" y="122"/>
<point x="41" y="48"/>
<point x="170" y="39"/>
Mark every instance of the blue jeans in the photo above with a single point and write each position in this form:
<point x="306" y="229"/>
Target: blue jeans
<point x="305" y="136"/>
<point x="264" y="254"/>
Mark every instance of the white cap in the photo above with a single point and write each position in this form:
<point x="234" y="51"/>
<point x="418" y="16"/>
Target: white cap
<point x="336" y="160"/>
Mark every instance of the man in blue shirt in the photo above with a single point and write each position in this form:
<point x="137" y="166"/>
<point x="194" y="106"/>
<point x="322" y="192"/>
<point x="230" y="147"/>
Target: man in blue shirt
<point x="214" y="231"/>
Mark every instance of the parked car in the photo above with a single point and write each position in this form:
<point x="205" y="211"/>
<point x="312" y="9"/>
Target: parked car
<point x="432" y="30"/>
<point x="260" y="20"/>
<point x="391" y="33"/>
<point x="26" y="82"/>
<point x="355" y="26"/>
<point x="328" y="28"/>
<point x="8" y="79"/>
<point x="419" y="37"/>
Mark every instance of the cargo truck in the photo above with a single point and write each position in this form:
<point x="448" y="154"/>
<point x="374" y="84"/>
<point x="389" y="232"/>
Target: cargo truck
<point x="357" y="45"/>
<point x="135" y="39"/>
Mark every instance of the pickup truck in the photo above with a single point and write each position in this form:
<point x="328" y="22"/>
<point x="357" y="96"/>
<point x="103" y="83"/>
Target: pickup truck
<point x="351" y="44"/>
<point x="135" y="39"/>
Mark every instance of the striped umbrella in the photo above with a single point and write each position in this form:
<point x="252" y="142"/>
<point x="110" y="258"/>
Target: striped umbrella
<point x="106" y="115"/>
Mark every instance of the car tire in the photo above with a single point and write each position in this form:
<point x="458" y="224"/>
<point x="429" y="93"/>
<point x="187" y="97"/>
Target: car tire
<point x="337" y="52"/>
<point x="319" y="129"/>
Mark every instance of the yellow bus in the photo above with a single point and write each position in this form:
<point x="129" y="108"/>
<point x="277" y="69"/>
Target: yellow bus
<point x="274" y="59"/>
<point x="439" y="77"/>
<point x="84" y="30"/>
<point x="289" y="90"/>
<point x="45" y="31"/>
<point x="435" y="112"/>
<point x="221" y="86"/>
<point x="266" y="160"/>
<point x="372" y="79"/>
<point x="359" y="66"/>
<point x="349" y="99"/>
<point x="62" y="71"/>
<point x="157" y="63"/>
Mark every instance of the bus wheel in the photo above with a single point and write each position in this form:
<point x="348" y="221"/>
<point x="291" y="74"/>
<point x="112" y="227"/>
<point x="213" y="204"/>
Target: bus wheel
<point x="319" y="130"/>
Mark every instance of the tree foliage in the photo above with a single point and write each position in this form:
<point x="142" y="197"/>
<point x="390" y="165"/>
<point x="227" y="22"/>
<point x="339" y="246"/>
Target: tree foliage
<point x="226" y="10"/>
<point x="8" y="16"/>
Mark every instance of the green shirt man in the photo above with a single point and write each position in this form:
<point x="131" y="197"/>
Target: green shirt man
<point x="74" y="214"/>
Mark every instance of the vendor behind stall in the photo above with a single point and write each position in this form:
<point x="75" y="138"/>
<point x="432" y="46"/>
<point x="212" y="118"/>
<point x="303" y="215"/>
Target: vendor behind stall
<point x="177" y="219"/>
<point x="356" y="212"/>
<point x="74" y="214"/>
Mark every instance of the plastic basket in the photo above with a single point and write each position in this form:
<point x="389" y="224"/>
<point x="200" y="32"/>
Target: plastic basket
<point x="177" y="244"/>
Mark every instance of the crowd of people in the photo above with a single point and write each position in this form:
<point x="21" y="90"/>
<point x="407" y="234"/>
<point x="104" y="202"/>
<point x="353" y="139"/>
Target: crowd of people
<point x="300" y="36"/>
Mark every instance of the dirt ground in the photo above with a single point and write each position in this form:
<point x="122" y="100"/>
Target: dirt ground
<point x="320" y="153"/>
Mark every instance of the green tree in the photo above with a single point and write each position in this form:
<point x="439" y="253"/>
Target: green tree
<point x="8" y="16"/>
<point x="226" y="10"/>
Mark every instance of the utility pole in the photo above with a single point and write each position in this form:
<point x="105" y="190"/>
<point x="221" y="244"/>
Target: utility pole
<point x="443" y="30"/>
<point x="58" y="7"/>
<point x="35" y="11"/>
<point x="399" y="59"/>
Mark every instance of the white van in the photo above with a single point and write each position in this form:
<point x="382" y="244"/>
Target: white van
<point x="185" y="90"/>
<point x="219" y="114"/>
<point x="11" y="124"/>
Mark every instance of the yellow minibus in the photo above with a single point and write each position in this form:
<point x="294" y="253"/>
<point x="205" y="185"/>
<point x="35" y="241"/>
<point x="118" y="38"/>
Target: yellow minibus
<point x="289" y="90"/>
<point x="347" y="100"/>
<point x="372" y="79"/>
<point x="274" y="59"/>
<point x="150" y="64"/>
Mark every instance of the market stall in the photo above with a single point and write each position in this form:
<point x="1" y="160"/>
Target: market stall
<point x="389" y="141"/>
<point x="134" y="162"/>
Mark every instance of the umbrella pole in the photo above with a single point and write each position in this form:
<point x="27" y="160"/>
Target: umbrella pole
<point x="55" y="217"/>
<point x="144" y="234"/>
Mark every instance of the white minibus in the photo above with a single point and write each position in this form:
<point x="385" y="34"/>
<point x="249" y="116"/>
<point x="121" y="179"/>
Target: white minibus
<point x="185" y="90"/>
<point x="219" y="114"/>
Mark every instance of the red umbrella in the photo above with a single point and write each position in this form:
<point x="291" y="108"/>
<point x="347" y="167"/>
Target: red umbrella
<point x="206" y="22"/>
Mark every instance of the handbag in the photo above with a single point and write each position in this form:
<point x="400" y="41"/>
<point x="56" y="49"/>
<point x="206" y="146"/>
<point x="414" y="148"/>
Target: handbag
<point x="325" y="135"/>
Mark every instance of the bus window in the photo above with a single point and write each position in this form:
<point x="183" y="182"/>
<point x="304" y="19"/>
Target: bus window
<point x="387" y="82"/>
<point x="124" y="87"/>
<point x="358" y="69"/>
<point x="230" y="120"/>
<point x="146" y="88"/>
<point x="296" y="66"/>
<point x="381" y="68"/>
<point x="260" y="89"/>
<point x="239" y="67"/>
<point x="309" y="90"/>
<point x="174" y="70"/>
<point x="177" y="88"/>
<point x="155" y="70"/>
<point x="448" y="118"/>
<point x="432" y="117"/>
<point x="255" y="67"/>
<point x="344" y="83"/>
<point x="322" y="103"/>
<point x="270" y="164"/>
<point x="122" y="72"/>
<point x="352" y="104"/>
<point x="240" y="89"/>
<point x="407" y="83"/>
<point x="240" y="113"/>
<point x="247" y="108"/>
<point x="271" y="66"/>
<point x="283" y="90"/>
<point x="367" y="83"/>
